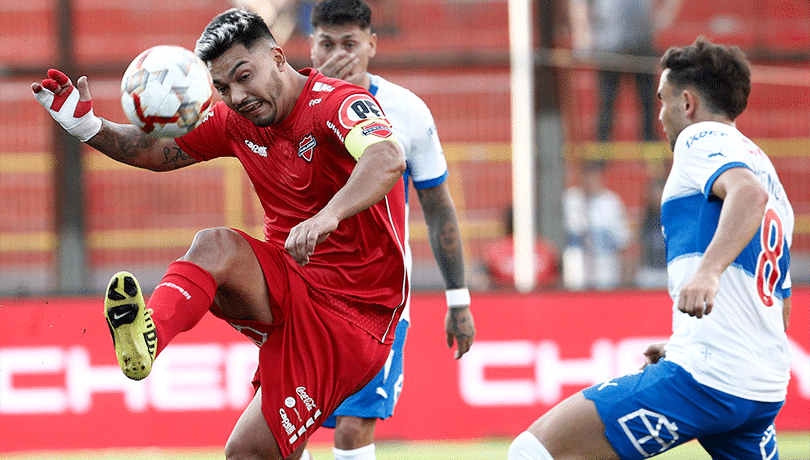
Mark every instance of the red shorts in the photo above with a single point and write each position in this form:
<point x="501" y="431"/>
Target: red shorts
<point x="311" y="358"/>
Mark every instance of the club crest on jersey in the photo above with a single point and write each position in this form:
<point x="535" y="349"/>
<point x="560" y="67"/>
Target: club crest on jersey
<point x="356" y="108"/>
<point x="306" y="147"/>
<point x="376" y="128"/>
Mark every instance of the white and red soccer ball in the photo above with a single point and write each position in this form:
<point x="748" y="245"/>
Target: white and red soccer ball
<point x="166" y="91"/>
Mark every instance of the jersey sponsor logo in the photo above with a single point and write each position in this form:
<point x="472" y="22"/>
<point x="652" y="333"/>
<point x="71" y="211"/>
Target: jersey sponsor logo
<point x="287" y="424"/>
<point x="335" y="130"/>
<point x="306" y="147"/>
<point x="701" y="135"/>
<point x="309" y="402"/>
<point x="650" y="432"/>
<point x="319" y="87"/>
<point x="378" y="129"/>
<point x="293" y="431"/>
<point x="257" y="149"/>
<point x="315" y="101"/>
<point x="356" y="108"/>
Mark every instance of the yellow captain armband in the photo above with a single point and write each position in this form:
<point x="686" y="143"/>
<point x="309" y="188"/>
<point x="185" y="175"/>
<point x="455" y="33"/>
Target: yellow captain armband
<point x="368" y="133"/>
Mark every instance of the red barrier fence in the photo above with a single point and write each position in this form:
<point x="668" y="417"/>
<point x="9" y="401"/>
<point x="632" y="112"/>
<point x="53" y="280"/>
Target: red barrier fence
<point x="60" y="387"/>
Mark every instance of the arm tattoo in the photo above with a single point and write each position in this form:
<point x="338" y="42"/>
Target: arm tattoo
<point x="120" y="142"/>
<point x="128" y="144"/>
<point x="444" y="235"/>
<point x="175" y="155"/>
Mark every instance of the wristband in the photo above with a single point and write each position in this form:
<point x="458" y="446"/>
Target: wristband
<point x="457" y="298"/>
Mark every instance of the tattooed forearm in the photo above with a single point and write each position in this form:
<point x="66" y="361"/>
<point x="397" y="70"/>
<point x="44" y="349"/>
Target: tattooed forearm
<point x="445" y="241"/>
<point x="122" y="143"/>
<point x="444" y="234"/>
<point x="132" y="143"/>
<point x="128" y="144"/>
<point x="175" y="156"/>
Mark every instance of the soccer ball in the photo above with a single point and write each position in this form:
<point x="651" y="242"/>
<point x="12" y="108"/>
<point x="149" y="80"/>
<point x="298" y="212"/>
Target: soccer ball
<point x="166" y="91"/>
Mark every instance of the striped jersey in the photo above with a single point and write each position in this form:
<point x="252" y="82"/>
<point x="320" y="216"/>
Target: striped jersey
<point x="415" y="130"/>
<point x="741" y="347"/>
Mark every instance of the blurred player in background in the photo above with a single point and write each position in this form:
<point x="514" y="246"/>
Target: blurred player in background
<point x="722" y="376"/>
<point x="322" y="293"/>
<point x="342" y="45"/>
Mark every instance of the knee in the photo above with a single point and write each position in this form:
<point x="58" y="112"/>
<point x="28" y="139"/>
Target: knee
<point x="241" y="449"/>
<point x="214" y="249"/>
<point x="353" y="432"/>
<point x="235" y="450"/>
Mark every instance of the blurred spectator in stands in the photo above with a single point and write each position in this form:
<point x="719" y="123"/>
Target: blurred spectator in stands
<point x="385" y="12"/>
<point x="500" y="261"/>
<point x="598" y="233"/>
<point x="280" y="15"/>
<point x="624" y="27"/>
<point x="652" y="270"/>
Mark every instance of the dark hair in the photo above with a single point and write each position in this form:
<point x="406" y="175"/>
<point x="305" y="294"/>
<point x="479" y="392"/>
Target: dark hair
<point x="229" y="28"/>
<point x="341" y="12"/>
<point x="721" y="74"/>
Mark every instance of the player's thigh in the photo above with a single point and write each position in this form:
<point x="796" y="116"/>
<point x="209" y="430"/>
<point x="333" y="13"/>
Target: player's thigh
<point x="572" y="429"/>
<point x="251" y="438"/>
<point x="242" y="291"/>
<point x="755" y="439"/>
<point x="742" y="446"/>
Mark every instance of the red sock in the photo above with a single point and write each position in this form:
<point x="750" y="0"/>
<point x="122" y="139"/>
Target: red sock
<point x="180" y="301"/>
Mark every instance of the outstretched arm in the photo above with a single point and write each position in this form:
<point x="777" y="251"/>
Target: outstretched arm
<point x="72" y="107"/>
<point x="128" y="144"/>
<point x="445" y="241"/>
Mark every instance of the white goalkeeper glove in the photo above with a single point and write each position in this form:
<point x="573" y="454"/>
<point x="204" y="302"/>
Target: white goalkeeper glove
<point x="64" y="102"/>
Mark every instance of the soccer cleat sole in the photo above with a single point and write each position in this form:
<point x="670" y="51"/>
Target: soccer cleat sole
<point x="131" y="326"/>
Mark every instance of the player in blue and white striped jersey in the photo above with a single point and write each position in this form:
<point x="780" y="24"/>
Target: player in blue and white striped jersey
<point x="342" y="44"/>
<point x="723" y="375"/>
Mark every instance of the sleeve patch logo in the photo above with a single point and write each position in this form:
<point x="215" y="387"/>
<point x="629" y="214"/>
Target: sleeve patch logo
<point x="375" y="128"/>
<point x="306" y="147"/>
<point x="356" y="108"/>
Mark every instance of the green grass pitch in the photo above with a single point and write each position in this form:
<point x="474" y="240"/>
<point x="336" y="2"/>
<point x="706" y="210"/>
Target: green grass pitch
<point x="792" y="446"/>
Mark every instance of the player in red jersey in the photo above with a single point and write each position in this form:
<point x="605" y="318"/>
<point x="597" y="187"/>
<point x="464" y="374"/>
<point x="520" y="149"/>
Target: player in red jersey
<point x="323" y="291"/>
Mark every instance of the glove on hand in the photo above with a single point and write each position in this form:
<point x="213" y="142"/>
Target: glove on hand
<point x="58" y="95"/>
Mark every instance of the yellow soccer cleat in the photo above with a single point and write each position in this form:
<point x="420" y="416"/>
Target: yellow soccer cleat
<point x="131" y="326"/>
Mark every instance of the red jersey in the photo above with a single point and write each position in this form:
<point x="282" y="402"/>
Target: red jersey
<point x="296" y="166"/>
